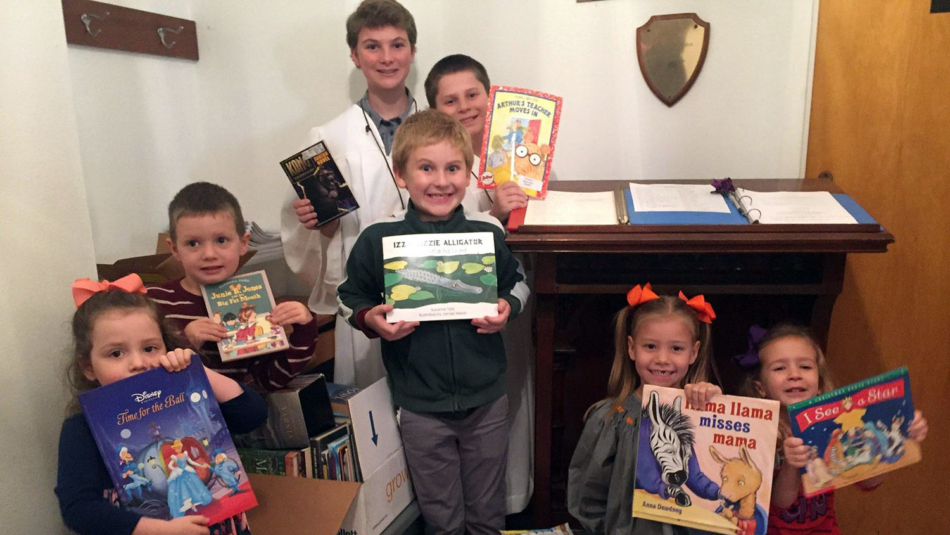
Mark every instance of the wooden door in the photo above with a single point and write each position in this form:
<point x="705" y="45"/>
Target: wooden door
<point x="880" y="123"/>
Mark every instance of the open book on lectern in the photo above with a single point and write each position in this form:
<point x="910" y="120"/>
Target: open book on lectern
<point x="679" y="204"/>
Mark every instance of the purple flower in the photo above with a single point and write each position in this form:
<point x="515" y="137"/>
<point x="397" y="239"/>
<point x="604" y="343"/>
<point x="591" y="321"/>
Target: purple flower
<point x="723" y="186"/>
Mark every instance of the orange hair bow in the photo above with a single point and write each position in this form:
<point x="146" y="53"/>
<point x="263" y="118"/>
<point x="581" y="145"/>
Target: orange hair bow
<point x="638" y="296"/>
<point x="83" y="289"/>
<point x="703" y="309"/>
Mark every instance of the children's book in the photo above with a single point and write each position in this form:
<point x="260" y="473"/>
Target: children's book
<point x="707" y="468"/>
<point x="242" y="304"/>
<point x="856" y="432"/>
<point x="518" y="144"/>
<point x="562" y="529"/>
<point x="166" y="445"/>
<point x="430" y="277"/>
<point x="315" y="176"/>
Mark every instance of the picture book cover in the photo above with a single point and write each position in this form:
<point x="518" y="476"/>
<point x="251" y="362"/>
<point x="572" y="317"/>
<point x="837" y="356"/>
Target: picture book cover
<point x="856" y="432"/>
<point x="166" y="445"/>
<point x="518" y="144"/>
<point x="431" y="277"/>
<point x="243" y="304"/>
<point x="707" y="468"/>
<point x="315" y="176"/>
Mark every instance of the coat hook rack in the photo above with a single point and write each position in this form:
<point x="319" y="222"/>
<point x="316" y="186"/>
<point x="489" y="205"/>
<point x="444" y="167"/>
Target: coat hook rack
<point x="161" y="35"/>
<point x="86" y="19"/>
<point x="102" y="25"/>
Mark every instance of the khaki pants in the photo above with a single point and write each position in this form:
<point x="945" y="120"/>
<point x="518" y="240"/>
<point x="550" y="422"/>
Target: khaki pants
<point x="457" y="462"/>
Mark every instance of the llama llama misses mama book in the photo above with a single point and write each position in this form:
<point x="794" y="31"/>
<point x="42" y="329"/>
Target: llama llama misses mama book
<point x="709" y="467"/>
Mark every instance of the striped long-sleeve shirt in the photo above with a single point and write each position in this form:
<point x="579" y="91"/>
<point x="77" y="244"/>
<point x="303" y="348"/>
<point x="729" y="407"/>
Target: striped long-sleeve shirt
<point x="270" y="372"/>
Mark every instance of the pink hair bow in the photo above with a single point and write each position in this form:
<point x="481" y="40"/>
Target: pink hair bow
<point x="83" y="289"/>
<point x="638" y="296"/>
<point x="703" y="309"/>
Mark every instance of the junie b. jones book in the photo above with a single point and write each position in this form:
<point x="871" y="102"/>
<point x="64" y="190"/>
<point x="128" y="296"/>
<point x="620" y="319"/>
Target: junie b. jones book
<point x="518" y="143"/>
<point x="315" y="176"/>
<point x="430" y="277"/>
<point x="166" y="445"/>
<point x="708" y="467"/>
<point x="242" y="304"/>
<point x="856" y="432"/>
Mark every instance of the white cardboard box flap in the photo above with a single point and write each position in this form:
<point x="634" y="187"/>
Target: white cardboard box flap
<point x="374" y="425"/>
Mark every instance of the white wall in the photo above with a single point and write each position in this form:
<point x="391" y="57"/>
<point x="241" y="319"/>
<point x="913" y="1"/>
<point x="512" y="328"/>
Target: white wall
<point x="46" y="243"/>
<point x="270" y="70"/>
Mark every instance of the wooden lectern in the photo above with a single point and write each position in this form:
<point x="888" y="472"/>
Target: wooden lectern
<point x="753" y="274"/>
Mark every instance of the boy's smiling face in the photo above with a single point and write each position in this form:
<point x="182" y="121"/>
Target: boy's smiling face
<point x="384" y="56"/>
<point x="462" y="96"/>
<point x="208" y="247"/>
<point x="436" y="178"/>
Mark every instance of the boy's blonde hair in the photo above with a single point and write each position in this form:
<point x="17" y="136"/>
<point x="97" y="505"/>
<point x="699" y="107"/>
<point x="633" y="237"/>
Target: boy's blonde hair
<point x="378" y="14"/>
<point x="426" y="128"/>
<point x="624" y="381"/>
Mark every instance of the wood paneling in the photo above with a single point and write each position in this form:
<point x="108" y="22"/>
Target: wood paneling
<point x="879" y="124"/>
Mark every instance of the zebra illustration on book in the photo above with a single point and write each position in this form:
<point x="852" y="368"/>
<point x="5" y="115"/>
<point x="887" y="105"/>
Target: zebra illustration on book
<point x="671" y="442"/>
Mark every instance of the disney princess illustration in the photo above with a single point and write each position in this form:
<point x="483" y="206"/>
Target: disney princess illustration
<point x="186" y="491"/>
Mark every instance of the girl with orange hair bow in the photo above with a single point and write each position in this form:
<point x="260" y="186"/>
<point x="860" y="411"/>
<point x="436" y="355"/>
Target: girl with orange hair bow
<point x="118" y="332"/>
<point x="659" y="340"/>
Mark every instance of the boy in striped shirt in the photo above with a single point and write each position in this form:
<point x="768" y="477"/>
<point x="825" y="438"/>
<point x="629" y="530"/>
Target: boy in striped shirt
<point x="208" y="238"/>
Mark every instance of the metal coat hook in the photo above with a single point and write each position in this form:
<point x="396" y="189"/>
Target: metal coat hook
<point x="161" y="35"/>
<point x="86" y="19"/>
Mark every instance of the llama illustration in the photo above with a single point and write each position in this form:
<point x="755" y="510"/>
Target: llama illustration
<point x="741" y="479"/>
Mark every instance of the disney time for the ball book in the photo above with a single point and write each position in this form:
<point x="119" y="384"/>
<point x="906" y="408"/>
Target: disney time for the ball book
<point x="315" y="176"/>
<point x="518" y="143"/>
<point x="856" y="432"/>
<point x="709" y="467"/>
<point x="166" y="445"/>
<point x="430" y="277"/>
<point x="242" y="304"/>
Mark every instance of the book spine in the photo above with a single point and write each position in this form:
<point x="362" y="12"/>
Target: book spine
<point x="263" y="461"/>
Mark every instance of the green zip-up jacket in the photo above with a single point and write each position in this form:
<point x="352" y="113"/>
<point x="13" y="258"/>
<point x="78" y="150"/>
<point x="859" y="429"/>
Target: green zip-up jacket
<point x="442" y="366"/>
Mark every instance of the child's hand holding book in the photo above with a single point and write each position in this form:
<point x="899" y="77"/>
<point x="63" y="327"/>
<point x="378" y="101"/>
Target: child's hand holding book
<point x="204" y="330"/>
<point x="493" y="324"/>
<point x="290" y="313"/>
<point x="375" y="319"/>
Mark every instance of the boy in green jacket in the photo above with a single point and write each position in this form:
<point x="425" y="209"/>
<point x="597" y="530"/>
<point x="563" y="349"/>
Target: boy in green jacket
<point x="447" y="377"/>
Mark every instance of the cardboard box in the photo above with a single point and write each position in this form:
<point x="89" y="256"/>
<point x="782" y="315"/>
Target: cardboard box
<point x="373" y="419"/>
<point x="299" y="506"/>
<point x="292" y="505"/>
<point x="381" y="498"/>
<point x="384" y="494"/>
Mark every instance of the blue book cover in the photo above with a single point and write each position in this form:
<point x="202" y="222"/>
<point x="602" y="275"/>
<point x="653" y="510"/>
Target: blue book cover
<point x="166" y="445"/>
<point x="856" y="432"/>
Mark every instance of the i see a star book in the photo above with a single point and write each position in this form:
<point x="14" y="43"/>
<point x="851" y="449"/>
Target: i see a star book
<point x="856" y="432"/>
<point x="166" y="445"/>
